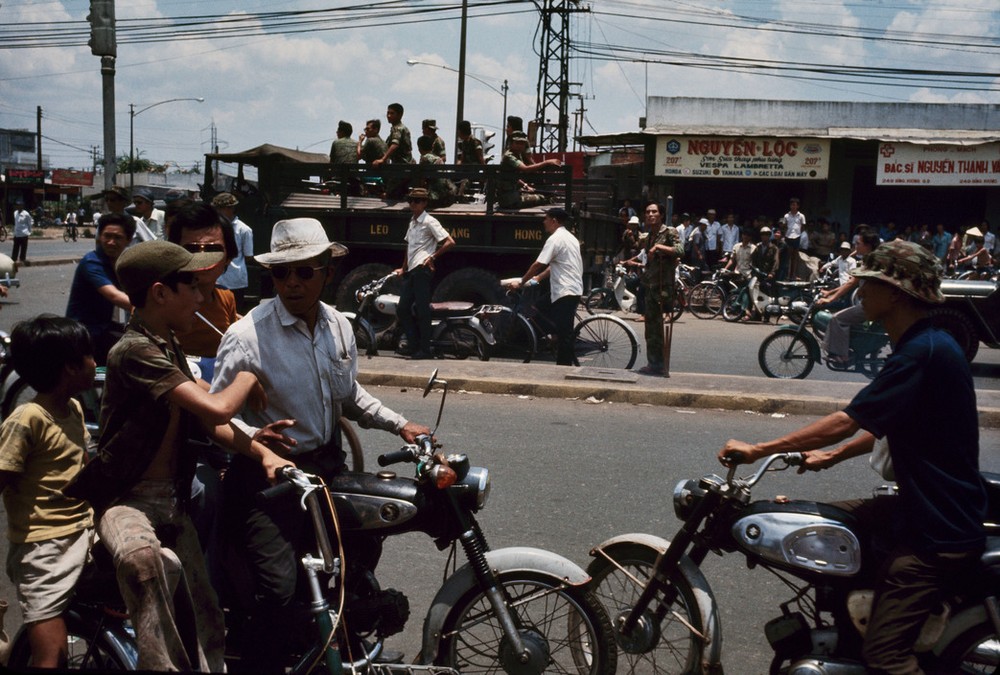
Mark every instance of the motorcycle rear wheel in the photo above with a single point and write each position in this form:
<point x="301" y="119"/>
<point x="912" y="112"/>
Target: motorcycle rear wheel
<point x="977" y="650"/>
<point x="600" y="301"/>
<point x="563" y="627"/>
<point x="669" y="647"/>
<point x="785" y="355"/>
<point x="736" y="306"/>
<point x="463" y="342"/>
<point x="86" y="649"/>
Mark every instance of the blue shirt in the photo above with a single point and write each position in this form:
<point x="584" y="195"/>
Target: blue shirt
<point x="924" y="402"/>
<point x="85" y="304"/>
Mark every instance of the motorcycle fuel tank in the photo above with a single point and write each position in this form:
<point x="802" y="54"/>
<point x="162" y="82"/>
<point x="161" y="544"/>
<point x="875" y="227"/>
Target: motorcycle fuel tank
<point x="386" y="303"/>
<point x="374" y="501"/>
<point x="796" y="536"/>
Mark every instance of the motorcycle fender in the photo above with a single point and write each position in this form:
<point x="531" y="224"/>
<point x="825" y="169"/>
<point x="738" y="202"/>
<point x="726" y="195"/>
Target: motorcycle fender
<point x="707" y="605"/>
<point x="477" y="325"/>
<point x="962" y="620"/>
<point x="515" y="559"/>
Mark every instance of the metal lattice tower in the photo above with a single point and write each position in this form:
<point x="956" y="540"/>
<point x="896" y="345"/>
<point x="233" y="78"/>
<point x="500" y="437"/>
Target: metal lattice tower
<point x="552" y="111"/>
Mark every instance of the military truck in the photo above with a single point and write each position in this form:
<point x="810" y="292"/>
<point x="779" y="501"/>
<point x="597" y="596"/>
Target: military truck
<point x="365" y="208"/>
<point x="971" y="313"/>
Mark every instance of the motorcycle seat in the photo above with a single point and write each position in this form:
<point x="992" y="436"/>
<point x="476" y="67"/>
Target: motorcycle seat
<point x="451" y="308"/>
<point x="794" y="284"/>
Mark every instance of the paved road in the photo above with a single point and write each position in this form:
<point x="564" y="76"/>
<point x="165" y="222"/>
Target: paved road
<point x="714" y="346"/>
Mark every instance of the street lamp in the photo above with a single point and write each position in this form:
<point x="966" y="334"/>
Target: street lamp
<point x="502" y="90"/>
<point x="132" y="112"/>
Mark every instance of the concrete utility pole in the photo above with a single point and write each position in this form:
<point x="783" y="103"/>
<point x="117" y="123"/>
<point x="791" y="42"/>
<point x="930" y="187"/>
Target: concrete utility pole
<point x="38" y="123"/>
<point x="103" y="43"/>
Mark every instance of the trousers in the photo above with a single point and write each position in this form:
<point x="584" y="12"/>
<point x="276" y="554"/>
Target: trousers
<point x="178" y="622"/>
<point x="414" y="309"/>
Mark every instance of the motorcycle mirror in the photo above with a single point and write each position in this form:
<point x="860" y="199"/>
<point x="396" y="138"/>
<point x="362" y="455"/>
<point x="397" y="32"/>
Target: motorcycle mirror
<point x="434" y="379"/>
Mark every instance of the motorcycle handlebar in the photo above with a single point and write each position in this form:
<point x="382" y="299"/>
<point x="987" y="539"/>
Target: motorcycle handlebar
<point x="404" y="455"/>
<point x="284" y="486"/>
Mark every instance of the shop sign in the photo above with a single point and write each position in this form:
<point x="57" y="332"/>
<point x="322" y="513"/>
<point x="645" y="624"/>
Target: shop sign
<point x="742" y="157"/>
<point x="72" y="177"/>
<point x="911" y="164"/>
<point x="25" y="177"/>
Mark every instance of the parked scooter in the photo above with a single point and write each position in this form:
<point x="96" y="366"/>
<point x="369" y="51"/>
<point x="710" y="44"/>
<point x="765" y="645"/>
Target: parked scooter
<point x="458" y="329"/>
<point x="515" y="610"/>
<point x="666" y="618"/>
<point x="791" y="351"/>
<point x="765" y="297"/>
<point x="618" y="291"/>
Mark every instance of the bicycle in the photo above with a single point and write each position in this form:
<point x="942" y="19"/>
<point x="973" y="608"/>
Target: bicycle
<point x="69" y="232"/>
<point x="707" y="299"/>
<point x="521" y="331"/>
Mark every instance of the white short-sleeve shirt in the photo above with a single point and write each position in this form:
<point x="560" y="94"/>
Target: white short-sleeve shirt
<point x="562" y="254"/>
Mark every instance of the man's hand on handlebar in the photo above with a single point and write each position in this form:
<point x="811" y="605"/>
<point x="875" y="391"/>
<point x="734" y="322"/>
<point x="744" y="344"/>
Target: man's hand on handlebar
<point x="411" y="430"/>
<point x="738" y="452"/>
<point x="271" y="436"/>
<point x="273" y="463"/>
<point x="817" y="460"/>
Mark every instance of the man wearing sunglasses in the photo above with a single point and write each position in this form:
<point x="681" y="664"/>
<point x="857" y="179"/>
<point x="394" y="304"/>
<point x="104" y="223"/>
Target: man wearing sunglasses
<point x="426" y="240"/>
<point x="304" y="354"/>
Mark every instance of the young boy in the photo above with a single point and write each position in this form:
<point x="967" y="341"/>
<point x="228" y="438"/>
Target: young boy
<point x="140" y="482"/>
<point x="41" y="449"/>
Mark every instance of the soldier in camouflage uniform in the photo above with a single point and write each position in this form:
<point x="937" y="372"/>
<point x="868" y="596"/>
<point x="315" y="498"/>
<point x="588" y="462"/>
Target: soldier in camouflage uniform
<point x="429" y="128"/>
<point x="470" y="148"/>
<point x="370" y="144"/>
<point x="663" y="250"/>
<point x="399" y="148"/>
<point x="343" y="151"/>
<point x="512" y="192"/>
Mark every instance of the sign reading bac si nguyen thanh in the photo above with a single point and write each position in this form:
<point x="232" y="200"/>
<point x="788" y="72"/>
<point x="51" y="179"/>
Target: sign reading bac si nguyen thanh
<point x="910" y="164"/>
<point x="742" y="157"/>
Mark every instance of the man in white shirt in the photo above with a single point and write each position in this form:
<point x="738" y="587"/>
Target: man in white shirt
<point x="235" y="277"/>
<point x="729" y="233"/>
<point x="712" y="231"/>
<point x="151" y="217"/>
<point x="23" y="222"/>
<point x="843" y="263"/>
<point x="795" y="224"/>
<point x="560" y="261"/>
<point x="304" y="355"/>
<point x="426" y="240"/>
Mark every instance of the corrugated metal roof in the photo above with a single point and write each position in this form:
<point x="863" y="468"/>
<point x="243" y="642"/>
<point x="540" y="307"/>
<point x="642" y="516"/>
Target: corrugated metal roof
<point x="917" y="136"/>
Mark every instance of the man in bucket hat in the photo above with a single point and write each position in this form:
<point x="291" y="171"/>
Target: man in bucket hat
<point x="303" y="352"/>
<point x="923" y="403"/>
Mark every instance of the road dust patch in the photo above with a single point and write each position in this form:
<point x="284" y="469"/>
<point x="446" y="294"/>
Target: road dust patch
<point x="603" y="375"/>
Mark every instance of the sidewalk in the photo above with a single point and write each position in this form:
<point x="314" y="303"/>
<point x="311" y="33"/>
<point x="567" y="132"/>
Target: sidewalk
<point x="680" y="390"/>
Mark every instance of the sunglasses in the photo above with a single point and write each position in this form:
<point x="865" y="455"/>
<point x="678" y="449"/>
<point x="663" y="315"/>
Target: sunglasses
<point x="205" y="248"/>
<point x="303" y="272"/>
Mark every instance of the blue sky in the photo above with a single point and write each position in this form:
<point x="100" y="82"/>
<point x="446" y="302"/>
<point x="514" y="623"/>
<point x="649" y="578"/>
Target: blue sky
<point x="291" y="89"/>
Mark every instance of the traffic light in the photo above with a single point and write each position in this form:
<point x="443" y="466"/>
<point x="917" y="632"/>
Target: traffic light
<point x="102" y="28"/>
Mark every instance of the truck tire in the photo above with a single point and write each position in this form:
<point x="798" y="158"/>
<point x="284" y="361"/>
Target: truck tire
<point x="961" y="327"/>
<point x="358" y="277"/>
<point x="470" y="284"/>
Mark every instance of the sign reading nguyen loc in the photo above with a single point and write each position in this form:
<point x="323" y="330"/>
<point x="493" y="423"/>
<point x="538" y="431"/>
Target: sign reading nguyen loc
<point x="742" y="157"/>
<point x="910" y="164"/>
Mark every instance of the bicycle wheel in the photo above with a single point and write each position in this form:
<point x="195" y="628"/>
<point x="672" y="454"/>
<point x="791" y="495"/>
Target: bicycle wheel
<point x="600" y="301"/>
<point x="465" y="342"/>
<point x="87" y="648"/>
<point x="357" y="453"/>
<point x="736" y="306"/>
<point x="680" y="301"/>
<point x="3" y="233"/>
<point x="785" y="355"/>
<point x="515" y="338"/>
<point x="605" y="342"/>
<point x="563" y="628"/>
<point x="673" y="646"/>
<point x="705" y="300"/>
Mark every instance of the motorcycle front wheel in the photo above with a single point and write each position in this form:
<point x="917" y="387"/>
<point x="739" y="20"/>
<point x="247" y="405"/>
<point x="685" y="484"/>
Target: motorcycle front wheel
<point x="977" y="650"/>
<point x="562" y="627"/>
<point x="785" y="355"/>
<point x="735" y="306"/>
<point x="672" y="645"/>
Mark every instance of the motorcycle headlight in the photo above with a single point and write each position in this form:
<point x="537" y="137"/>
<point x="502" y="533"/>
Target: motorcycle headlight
<point x="687" y="494"/>
<point x="474" y="489"/>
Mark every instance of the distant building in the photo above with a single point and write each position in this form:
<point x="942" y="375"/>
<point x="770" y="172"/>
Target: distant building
<point x="848" y="162"/>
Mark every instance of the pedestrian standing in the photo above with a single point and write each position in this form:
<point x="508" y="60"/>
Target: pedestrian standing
<point x="663" y="250"/>
<point x="426" y="240"/>
<point x="235" y="277"/>
<point x="23" y="223"/>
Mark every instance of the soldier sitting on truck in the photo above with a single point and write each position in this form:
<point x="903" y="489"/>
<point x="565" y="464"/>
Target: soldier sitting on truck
<point x="443" y="192"/>
<point x="512" y="192"/>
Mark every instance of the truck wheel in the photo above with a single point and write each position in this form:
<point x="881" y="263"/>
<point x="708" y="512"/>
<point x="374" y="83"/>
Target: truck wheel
<point x="358" y="277"/>
<point x="471" y="284"/>
<point x="961" y="328"/>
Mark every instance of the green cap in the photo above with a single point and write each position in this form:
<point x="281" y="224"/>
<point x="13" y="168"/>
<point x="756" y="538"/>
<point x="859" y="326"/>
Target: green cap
<point x="906" y="265"/>
<point x="142" y="265"/>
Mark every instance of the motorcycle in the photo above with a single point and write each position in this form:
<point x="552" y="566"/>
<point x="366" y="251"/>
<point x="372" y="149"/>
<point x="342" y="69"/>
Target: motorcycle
<point x="765" y="297"/>
<point x="517" y="610"/>
<point x="459" y="329"/>
<point x="791" y="351"/>
<point x="666" y="618"/>
<point x="618" y="291"/>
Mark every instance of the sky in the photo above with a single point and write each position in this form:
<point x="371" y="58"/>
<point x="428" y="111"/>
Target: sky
<point x="265" y="81"/>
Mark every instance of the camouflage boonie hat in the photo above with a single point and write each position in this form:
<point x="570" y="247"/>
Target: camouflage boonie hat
<point x="224" y="199"/>
<point x="906" y="265"/>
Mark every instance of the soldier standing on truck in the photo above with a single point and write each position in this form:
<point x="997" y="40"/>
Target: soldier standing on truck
<point x="399" y="148"/>
<point x="512" y="192"/>
<point x="426" y="240"/>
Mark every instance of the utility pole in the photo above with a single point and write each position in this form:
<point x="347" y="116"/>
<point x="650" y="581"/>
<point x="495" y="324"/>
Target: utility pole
<point x="103" y="43"/>
<point x="38" y="123"/>
<point x="552" y="111"/>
